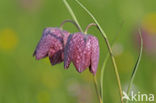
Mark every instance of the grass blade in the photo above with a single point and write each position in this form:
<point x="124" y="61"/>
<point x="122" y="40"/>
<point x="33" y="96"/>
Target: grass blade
<point x="102" y="74"/>
<point x="136" y="65"/>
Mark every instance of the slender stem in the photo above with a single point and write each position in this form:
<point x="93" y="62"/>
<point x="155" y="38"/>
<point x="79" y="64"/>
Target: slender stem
<point x="115" y="68"/>
<point x="96" y="88"/>
<point x="102" y="74"/>
<point x="72" y="14"/>
<point x="71" y="21"/>
<point x="109" y="48"/>
<point x="88" y="26"/>
<point x="104" y="63"/>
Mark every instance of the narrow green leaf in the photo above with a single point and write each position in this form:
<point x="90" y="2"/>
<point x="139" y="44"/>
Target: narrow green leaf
<point x="102" y="74"/>
<point x="136" y="65"/>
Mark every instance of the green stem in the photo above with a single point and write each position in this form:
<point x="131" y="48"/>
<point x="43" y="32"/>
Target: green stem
<point x="109" y="48"/>
<point x="88" y="26"/>
<point x="72" y="14"/>
<point x="70" y="21"/>
<point x="115" y="68"/>
<point x="104" y="65"/>
<point x="96" y="88"/>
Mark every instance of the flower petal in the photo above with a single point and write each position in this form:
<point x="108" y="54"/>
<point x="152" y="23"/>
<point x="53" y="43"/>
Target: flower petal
<point x="94" y="54"/>
<point x="68" y="52"/>
<point x="56" y="58"/>
<point x="51" y="44"/>
<point x="78" y="51"/>
<point x="78" y="57"/>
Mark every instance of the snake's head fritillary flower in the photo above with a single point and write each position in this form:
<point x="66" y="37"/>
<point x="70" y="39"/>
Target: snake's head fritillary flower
<point x="83" y="51"/>
<point x="51" y="44"/>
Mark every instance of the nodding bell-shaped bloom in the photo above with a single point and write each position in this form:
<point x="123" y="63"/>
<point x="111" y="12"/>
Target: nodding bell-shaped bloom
<point x="83" y="51"/>
<point x="52" y="45"/>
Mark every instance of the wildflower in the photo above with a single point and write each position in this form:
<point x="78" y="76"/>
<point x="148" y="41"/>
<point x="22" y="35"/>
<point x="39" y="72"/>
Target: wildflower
<point x="52" y="45"/>
<point x="83" y="51"/>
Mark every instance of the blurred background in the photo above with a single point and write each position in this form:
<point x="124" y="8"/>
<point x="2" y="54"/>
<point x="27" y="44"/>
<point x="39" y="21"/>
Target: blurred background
<point x="25" y="80"/>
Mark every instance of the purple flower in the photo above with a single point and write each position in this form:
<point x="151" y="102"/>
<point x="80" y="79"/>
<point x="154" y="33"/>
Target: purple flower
<point x="52" y="44"/>
<point x="83" y="51"/>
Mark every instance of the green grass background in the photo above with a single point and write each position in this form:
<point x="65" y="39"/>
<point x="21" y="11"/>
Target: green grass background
<point x="25" y="80"/>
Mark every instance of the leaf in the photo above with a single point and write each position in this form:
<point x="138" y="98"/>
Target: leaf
<point x="136" y="65"/>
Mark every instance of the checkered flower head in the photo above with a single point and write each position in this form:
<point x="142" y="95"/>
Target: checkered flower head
<point x="52" y="44"/>
<point x="83" y="51"/>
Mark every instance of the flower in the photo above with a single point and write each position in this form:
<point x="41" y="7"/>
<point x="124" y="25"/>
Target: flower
<point x="51" y="44"/>
<point x="83" y="51"/>
<point x="59" y="45"/>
